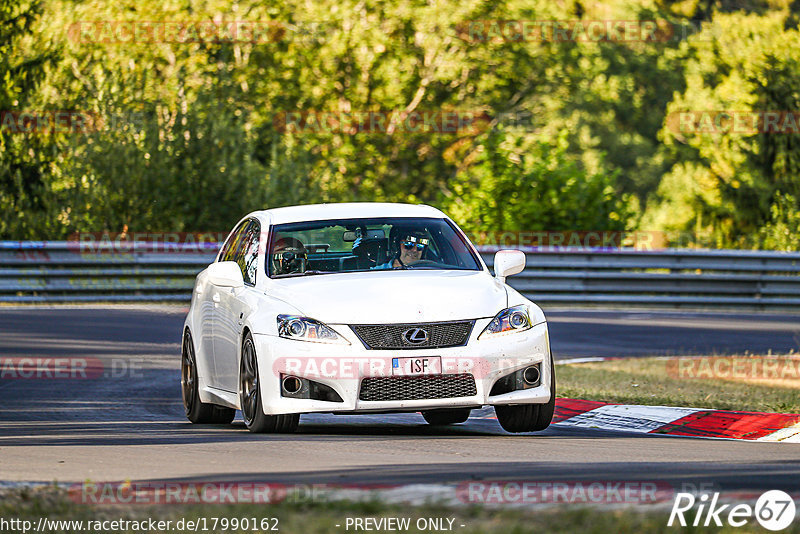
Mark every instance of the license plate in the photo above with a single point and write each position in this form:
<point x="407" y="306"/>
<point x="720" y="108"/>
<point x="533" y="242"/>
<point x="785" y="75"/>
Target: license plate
<point x="426" y="365"/>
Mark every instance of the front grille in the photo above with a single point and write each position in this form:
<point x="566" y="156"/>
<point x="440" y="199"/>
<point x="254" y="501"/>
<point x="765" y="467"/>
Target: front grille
<point x="390" y="336"/>
<point x="398" y="388"/>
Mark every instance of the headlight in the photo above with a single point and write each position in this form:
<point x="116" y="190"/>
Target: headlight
<point x="510" y="320"/>
<point x="305" y="329"/>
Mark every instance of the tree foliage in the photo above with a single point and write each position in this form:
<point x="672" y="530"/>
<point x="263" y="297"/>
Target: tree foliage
<point x="24" y="159"/>
<point x="191" y="134"/>
<point x="533" y="185"/>
<point x="725" y="185"/>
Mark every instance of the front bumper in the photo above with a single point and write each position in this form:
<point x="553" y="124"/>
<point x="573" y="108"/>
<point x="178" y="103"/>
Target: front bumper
<point x="343" y="367"/>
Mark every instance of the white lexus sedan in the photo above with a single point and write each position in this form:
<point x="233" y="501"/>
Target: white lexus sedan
<point x="362" y="308"/>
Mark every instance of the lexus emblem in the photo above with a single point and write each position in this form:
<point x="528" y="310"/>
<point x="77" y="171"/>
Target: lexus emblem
<point x="415" y="336"/>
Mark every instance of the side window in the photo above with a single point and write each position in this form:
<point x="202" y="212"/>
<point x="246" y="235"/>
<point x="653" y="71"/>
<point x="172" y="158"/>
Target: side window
<point x="229" y="248"/>
<point x="244" y="250"/>
<point x="248" y="259"/>
<point x="242" y="247"/>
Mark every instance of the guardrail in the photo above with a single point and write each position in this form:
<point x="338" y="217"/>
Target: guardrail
<point x="161" y="272"/>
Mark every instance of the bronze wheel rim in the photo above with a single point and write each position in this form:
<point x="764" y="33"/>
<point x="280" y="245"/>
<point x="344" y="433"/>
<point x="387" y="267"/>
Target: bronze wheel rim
<point x="188" y="373"/>
<point x="249" y="382"/>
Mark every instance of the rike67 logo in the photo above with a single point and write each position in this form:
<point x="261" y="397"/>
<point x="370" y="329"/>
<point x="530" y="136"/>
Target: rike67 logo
<point x="774" y="510"/>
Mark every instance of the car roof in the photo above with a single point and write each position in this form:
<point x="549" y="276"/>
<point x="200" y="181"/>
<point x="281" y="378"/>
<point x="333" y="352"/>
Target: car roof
<point x="348" y="210"/>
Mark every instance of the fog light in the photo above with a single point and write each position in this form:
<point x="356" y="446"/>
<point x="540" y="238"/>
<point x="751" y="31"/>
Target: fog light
<point x="531" y="375"/>
<point x="292" y="384"/>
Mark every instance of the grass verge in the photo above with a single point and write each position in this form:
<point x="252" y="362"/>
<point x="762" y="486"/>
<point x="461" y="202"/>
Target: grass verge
<point x="312" y="518"/>
<point x="751" y="383"/>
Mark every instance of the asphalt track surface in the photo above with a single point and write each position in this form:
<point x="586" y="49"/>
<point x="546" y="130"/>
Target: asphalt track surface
<point x="128" y="424"/>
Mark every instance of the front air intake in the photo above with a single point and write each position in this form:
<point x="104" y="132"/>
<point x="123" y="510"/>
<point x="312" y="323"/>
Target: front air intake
<point x="397" y="388"/>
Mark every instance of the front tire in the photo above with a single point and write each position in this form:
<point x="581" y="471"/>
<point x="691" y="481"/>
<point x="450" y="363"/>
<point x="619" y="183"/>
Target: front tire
<point x="446" y="416"/>
<point x="198" y="412"/>
<point x="529" y="417"/>
<point x="250" y="396"/>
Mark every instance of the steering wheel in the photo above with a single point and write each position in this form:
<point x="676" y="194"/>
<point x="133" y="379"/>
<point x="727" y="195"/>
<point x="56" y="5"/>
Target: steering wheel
<point x="424" y="263"/>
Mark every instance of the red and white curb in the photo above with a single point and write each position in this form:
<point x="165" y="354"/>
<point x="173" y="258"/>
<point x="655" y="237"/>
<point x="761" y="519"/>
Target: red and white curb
<point x="692" y="422"/>
<point x="674" y="421"/>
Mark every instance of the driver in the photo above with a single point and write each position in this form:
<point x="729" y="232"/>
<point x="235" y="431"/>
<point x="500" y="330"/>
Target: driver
<point x="410" y="248"/>
<point x="288" y="256"/>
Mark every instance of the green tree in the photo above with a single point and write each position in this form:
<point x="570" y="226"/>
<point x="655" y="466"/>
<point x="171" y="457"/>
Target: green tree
<point x="723" y="184"/>
<point x="192" y="135"/>
<point x="25" y="206"/>
<point x="782" y="232"/>
<point x="521" y="183"/>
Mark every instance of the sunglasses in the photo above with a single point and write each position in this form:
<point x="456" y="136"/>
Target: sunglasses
<point x="410" y="245"/>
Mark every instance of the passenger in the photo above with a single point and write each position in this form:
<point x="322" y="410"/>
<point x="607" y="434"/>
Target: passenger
<point x="409" y="250"/>
<point x="289" y="256"/>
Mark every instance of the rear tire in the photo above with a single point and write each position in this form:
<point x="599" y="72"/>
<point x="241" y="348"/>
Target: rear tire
<point x="529" y="417"/>
<point x="197" y="411"/>
<point x="448" y="416"/>
<point x="250" y="397"/>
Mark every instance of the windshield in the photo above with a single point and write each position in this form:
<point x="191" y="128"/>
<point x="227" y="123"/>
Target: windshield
<point x="380" y="244"/>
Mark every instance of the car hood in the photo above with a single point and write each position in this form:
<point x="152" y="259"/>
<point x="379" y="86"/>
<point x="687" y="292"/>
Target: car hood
<point x="405" y="296"/>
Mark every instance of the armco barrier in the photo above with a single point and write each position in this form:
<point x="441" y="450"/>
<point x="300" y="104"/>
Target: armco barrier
<point x="62" y="271"/>
<point x="157" y="272"/>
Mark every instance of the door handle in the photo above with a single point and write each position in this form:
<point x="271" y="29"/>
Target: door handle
<point x="216" y="297"/>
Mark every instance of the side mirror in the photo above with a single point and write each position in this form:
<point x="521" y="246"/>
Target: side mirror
<point x="507" y="263"/>
<point x="225" y="274"/>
